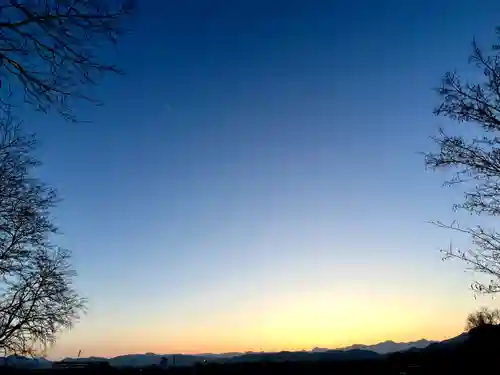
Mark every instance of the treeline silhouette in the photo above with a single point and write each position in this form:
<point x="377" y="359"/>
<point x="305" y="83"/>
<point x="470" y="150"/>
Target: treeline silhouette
<point x="476" y="354"/>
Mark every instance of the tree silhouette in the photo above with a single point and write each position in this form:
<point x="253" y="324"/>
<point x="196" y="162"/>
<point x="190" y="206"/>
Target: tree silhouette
<point x="37" y="299"/>
<point x="49" y="52"/>
<point x="483" y="317"/>
<point x="474" y="159"/>
<point x="49" y="49"/>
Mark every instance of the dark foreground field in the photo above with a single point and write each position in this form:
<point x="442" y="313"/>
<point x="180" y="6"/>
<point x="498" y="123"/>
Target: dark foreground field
<point x="386" y="367"/>
<point x="347" y="368"/>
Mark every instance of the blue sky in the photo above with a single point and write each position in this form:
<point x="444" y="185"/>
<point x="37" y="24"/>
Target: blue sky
<point x="253" y="181"/>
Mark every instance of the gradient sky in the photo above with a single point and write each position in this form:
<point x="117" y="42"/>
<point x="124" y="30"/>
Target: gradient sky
<point x="254" y="182"/>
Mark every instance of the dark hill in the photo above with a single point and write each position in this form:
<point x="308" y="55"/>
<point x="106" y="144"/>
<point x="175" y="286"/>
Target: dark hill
<point x="330" y="355"/>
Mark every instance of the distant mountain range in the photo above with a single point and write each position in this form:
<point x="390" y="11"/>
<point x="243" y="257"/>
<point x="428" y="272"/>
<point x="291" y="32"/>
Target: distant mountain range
<point x="391" y="346"/>
<point x="353" y="352"/>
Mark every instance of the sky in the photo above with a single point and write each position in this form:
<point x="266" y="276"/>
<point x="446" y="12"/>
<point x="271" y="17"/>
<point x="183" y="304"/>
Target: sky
<point x="254" y="181"/>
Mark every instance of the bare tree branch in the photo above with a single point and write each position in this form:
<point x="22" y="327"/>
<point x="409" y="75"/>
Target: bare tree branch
<point x="49" y="49"/>
<point x="37" y="299"/>
<point x="483" y="317"/>
<point x="475" y="160"/>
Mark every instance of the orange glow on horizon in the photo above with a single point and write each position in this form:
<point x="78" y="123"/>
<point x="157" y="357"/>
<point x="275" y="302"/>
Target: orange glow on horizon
<point x="290" y="323"/>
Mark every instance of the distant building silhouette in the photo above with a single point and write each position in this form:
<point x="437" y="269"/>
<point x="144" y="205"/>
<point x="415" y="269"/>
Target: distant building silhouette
<point x="80" y="364"/>
<point x="164" y="363"/>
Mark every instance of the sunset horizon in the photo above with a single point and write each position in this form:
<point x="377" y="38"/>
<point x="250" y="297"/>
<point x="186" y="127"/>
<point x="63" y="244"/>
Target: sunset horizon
<point x="169" y="350"/>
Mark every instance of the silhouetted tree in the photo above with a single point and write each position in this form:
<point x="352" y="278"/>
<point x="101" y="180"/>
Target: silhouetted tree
<point x="37" y="299"/>
<point x="483" y="317"/>
<point x="474" y="158"/>
<point x="49" y="49"/>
